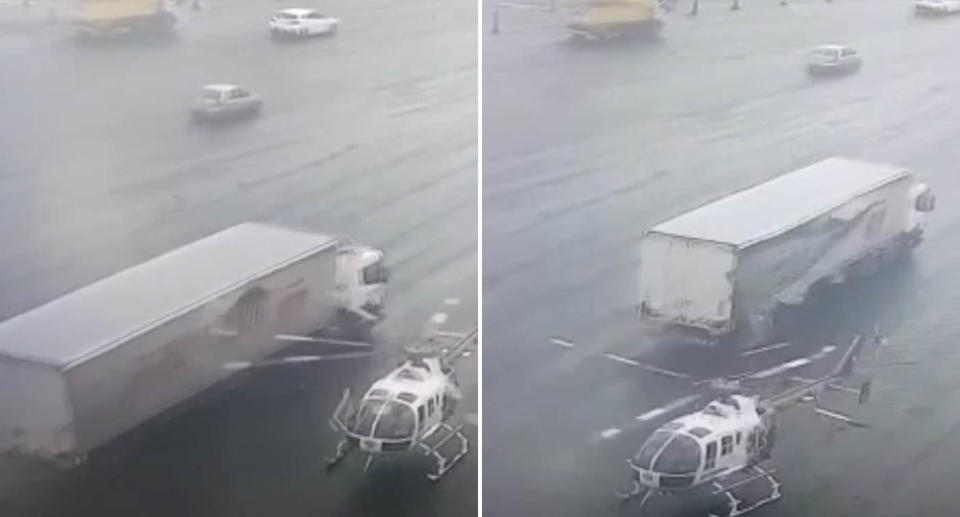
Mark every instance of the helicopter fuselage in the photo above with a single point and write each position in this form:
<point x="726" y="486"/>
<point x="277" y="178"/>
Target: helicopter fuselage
<point x="730" y="434"/>
<point x="403" y="408"/>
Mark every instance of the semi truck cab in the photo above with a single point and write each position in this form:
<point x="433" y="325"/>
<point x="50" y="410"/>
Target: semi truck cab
<point x="362" y="278"/>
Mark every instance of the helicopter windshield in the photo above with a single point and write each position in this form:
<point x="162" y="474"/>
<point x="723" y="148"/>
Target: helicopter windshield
<point x="669" y="453"/>
<point x="646" y="454"/>
<point x="680" y="456"/>
<point x="396" y="423"/>
<point x="362" y="422"/>
<point x="383" y="419"/>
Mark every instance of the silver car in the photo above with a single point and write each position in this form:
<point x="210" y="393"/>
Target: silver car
<point x="833" y="59"/>
<point x="225" y="101"/>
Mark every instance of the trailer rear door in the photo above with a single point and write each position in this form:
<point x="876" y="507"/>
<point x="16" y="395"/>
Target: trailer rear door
<point x="687" y="281"/>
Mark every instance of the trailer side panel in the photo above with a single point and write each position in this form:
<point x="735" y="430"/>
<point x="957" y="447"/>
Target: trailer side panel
<point x="156" y="370"/>
<point x="782" y="269"/>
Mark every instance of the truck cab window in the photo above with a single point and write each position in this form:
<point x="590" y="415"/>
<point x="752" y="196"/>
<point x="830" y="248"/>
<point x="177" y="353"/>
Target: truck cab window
<point x="374" y="274"/>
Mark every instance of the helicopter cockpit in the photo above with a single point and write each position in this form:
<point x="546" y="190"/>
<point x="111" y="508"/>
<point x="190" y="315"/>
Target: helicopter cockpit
<point x="384" y="420"/>
<point x="667" y="460"/>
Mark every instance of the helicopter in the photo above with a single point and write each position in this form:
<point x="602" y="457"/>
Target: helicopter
<point x="725" y="444"/>
<point x="409" y="409"/>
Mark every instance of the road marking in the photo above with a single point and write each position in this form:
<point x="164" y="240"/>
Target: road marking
<point x="451" y="301"/>
<point x="780" y="368"/>
<point x="631" y="362"/>
<point x="237" y="365"/>
<point x="765" y="349"/>
<point x="606" y="434"/>
<point x="662" y="410"/>
<point x="561" y="342"/>
<point x="438" y="318"/>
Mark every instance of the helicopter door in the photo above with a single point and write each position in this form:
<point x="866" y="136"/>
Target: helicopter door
<point x="710" y="459"/>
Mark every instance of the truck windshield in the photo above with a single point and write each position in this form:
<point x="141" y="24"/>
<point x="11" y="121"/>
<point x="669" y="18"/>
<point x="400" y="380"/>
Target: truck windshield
<point x="375" y="274"/>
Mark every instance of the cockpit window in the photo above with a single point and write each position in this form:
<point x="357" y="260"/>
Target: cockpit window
<point x="680" y="456"/>
<point x="699" y="432"/>
<point x="375" y="274"/>
<point x="646" y="454"/>
<point x="397" y="422"/>
<point x="383" y="419"/>
<point x="366" y="416"/>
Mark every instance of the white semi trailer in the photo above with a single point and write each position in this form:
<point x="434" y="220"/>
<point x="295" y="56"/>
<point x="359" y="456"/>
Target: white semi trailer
<point x="722" y="269"/>
<point x="99" y="361"/>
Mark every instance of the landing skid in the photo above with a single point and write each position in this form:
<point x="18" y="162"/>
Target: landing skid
<point x="343" y="449"/>
<point x="736" y="508"/>
<point x="735" y="504"/>
<point x="444" y="433"/>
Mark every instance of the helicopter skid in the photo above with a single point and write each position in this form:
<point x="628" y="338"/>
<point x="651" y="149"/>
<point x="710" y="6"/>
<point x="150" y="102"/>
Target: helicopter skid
<point x="735" y="503"/>
<point x="445" y="461"/>
<point x="343" y="449"/>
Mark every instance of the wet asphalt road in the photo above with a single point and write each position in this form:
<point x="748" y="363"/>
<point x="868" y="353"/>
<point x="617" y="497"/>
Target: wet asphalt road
<point x="584" y="148"/>
<point x="371" y="133"/>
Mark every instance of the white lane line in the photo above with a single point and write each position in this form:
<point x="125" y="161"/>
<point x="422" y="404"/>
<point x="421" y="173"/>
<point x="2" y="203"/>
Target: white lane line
<point x="237" y="365"/>
<point x="653" y="413"/>
<point x="451" y="301"/>
<point x="606" y="434"/>
<point x="780" y="368"/>
<point x="764" y="349"/>
<point x="631" y="362"/>
<point x="438" y="318"/>
<point x="666" y="408"/>
<point x="561" y="342"/>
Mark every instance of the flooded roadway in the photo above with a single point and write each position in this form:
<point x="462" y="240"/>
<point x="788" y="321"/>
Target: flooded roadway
<point x="371" y="134"/>
<point x="585" y="148"/>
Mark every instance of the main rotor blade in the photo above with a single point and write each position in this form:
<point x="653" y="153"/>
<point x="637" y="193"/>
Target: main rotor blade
<point x="791" y="365"/>
<point x="294" y="359"/>
<point x="325" y="341"/>
<point x="652" y="414"/>
<point x="835" y="415"/>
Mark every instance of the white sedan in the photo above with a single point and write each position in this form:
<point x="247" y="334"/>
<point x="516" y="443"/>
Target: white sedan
<point x="302" y="22"/>
<point x="937" y="7"/>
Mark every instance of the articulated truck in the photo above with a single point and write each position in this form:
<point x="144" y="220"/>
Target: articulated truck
<point x="721" y="270"/>
<point x="615" y="19"/>
<point x="112" y="18"/>
<point x="97" y="362"/>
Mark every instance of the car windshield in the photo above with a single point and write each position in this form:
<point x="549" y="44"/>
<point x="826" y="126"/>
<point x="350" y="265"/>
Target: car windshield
<point x="288" y="16"/>
<point x="826" y="52"/>
<point x="213" y="95"/>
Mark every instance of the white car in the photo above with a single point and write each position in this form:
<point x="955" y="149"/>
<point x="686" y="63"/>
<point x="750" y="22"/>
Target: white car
<point x="833" y="59"/>
<point x="302" y="22"/>
<point x="224" y="101"/>
<point x="937" y="7"/>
